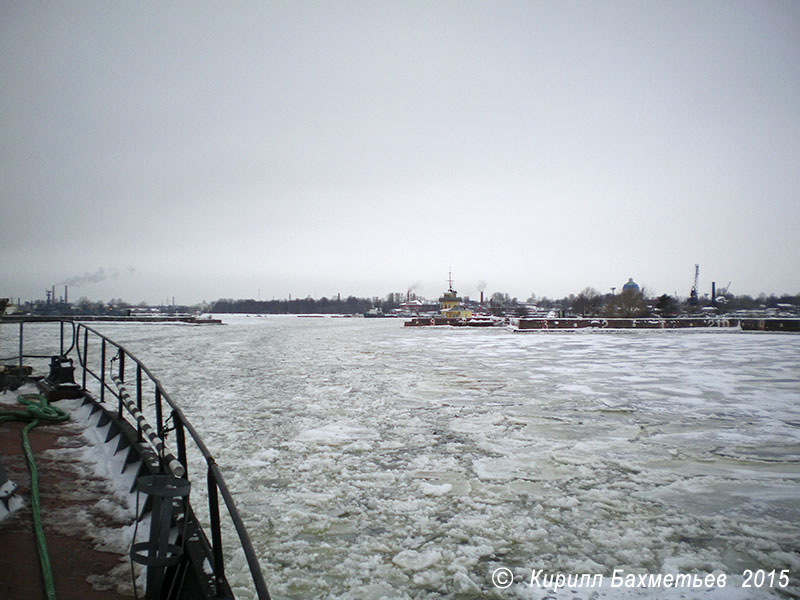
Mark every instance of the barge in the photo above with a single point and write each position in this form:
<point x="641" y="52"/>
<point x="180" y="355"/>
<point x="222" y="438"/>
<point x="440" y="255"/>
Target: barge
<point x="789" y="325"/>
<point x="171" y="554"/>
<point x="568" y="324"/>
<point x="472" y="321"/>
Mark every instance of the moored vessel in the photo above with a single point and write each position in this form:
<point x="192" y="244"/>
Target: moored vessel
<point x="456" y="313"/>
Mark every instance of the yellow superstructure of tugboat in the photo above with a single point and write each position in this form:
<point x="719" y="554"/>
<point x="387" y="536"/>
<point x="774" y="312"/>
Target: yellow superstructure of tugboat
<point x="452" y="307"/>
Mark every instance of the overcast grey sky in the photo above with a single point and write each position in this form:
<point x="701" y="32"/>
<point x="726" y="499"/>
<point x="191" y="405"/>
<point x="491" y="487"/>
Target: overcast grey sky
<point x="206" y="150"/>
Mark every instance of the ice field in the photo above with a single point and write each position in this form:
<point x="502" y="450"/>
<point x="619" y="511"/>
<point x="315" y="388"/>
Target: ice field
<point x="375" y="461"/>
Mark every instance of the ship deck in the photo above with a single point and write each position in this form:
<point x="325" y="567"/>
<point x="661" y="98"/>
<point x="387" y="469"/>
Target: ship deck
<point x="68" y="498"/>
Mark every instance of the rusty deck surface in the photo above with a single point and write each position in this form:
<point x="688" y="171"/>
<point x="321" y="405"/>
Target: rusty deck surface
<point x="69" y="496"/>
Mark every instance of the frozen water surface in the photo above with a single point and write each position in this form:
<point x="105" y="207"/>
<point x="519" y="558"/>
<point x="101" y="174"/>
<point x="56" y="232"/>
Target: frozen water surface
<point x="376" y="461"/>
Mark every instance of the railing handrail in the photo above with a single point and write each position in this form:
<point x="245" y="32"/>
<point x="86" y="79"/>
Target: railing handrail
<point x="215" y="479"/>
<point x="22" y="320"/>
<point x="214" y="475"/>
<point x="195" y="436"/>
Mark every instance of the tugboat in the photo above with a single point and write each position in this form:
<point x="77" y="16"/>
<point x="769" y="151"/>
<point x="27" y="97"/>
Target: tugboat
<point x="454" y="312"/>
<point x="102" y="424"/>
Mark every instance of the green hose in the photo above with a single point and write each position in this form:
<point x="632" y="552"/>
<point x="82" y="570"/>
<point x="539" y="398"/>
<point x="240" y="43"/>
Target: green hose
<point x="34" y="412"/>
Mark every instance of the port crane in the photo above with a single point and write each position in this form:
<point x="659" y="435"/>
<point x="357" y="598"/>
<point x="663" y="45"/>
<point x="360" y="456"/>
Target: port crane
<point x="722" y="295"/>
<point x="693" y="293"/>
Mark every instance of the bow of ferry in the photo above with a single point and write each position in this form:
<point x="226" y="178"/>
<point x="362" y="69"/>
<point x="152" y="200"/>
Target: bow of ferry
<point x="95" y="486"/>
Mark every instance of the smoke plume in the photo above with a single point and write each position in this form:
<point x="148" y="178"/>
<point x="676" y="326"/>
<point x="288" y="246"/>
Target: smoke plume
<point x="99" y="275"/>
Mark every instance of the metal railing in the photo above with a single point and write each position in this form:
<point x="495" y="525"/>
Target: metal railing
<point x="21" y="355"/>
<point x="81" y="335"/>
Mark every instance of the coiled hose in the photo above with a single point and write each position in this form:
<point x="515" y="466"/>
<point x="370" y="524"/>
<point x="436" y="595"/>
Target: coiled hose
<point x="36" y="409"/>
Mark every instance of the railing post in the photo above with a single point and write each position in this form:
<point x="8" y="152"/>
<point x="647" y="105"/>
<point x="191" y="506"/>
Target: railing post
<point x="160" y="429"/>
<point x="216" y="533"/>
<point x="121" y="377"/>
<point x="180" y="439"/>
<point x="103" y="370"/>
<point x="61" y="338"/>
<point x="139" y="397"/>
<point x="20" y="347"/>
<point x="159" y="424"/>
<point x="85" y="351"/>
